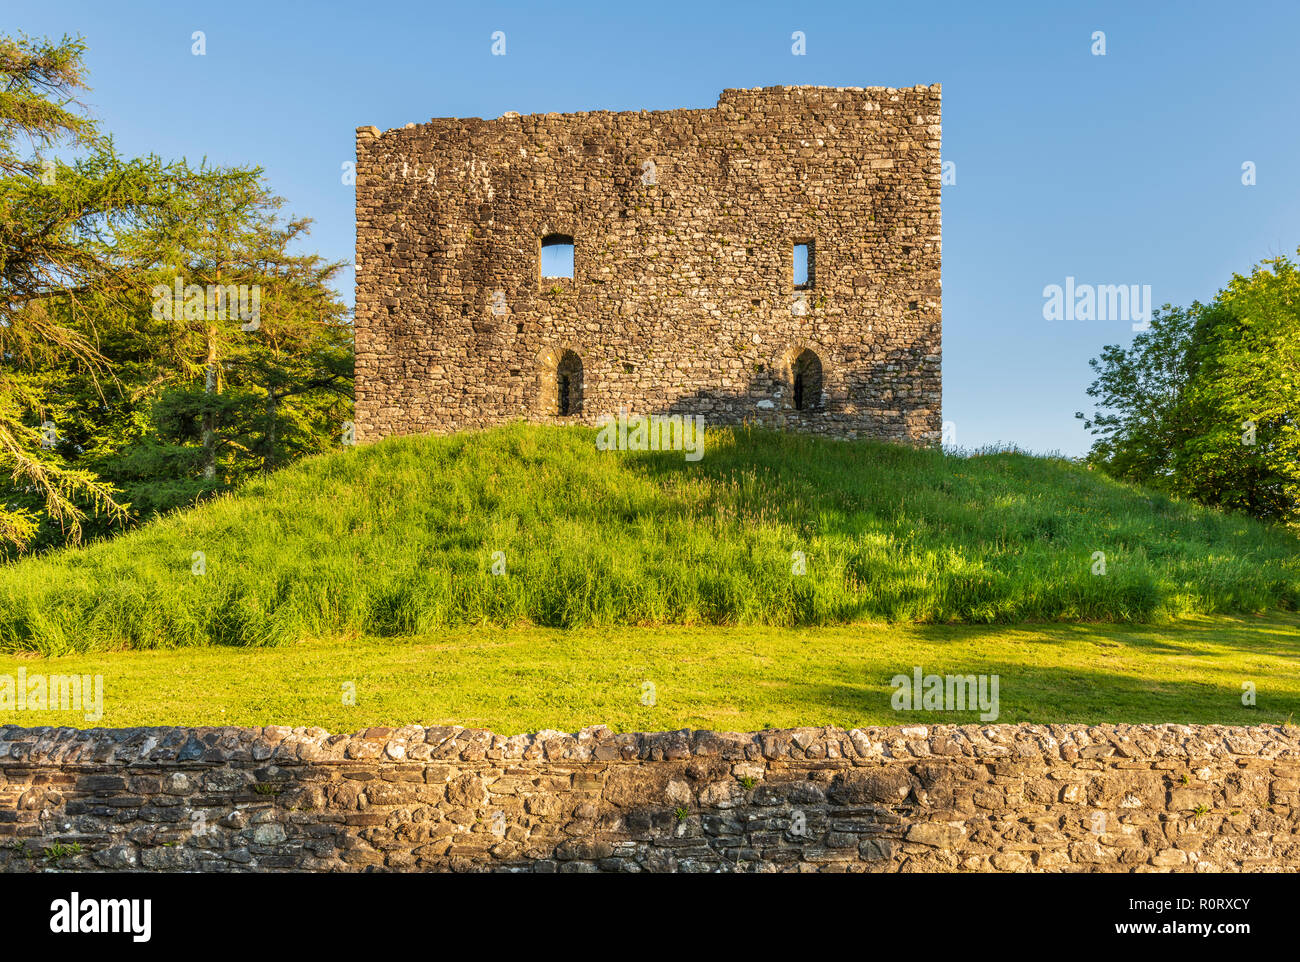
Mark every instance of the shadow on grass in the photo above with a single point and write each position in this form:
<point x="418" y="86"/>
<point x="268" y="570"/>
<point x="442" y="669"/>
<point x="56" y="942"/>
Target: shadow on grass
<point x="1042" y="696"/>
<point x="1196" y="637"/>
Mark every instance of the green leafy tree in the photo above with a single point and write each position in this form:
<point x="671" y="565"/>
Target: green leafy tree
<point x="112" y="410"/>
<point x="248" y="376"/>
<point x="1204" y="404"/>
<point x="1248" y="455"/>
<point x="57" y="225"/>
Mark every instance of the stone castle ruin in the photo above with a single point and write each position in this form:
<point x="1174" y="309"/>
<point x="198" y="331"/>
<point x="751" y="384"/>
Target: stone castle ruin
<point x="774" y="259"/>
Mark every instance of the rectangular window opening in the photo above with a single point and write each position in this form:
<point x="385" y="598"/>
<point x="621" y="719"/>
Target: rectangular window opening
<point x="803" y="265"/>
<point x="557" y="256"/>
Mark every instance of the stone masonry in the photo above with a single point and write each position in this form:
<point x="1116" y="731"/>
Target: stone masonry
<point x="1015" y="798"/>
<point x="683" y="298"/>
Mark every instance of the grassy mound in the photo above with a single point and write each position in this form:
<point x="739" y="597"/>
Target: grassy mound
<point x="400" y="538"/>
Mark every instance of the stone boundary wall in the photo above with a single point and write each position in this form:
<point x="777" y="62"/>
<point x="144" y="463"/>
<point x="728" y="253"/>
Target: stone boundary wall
<point x="943" y="798"/>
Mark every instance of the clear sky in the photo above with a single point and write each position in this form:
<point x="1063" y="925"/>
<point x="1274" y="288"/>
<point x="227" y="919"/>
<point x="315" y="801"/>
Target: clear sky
<point x="1117" y="169"/>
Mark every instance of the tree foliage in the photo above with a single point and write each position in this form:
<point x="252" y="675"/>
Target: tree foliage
<point x="1205" y="404"/>
<point x="112" y="409"/>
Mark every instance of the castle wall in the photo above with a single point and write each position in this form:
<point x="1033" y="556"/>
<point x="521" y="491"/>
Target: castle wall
<point x="683" y="299"/>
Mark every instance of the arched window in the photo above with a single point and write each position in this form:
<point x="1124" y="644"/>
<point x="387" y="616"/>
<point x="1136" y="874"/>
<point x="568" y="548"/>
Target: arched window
<point x="807" y="375"/>
<point x="568" y="385"/>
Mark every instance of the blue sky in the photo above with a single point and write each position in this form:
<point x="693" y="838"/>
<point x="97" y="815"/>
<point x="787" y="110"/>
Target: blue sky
<point x="1116" y="169"/>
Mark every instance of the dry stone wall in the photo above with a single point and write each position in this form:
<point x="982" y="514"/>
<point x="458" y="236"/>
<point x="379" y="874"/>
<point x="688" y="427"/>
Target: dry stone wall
<point x="683" y="296"/>
<point x="996" y="798"/>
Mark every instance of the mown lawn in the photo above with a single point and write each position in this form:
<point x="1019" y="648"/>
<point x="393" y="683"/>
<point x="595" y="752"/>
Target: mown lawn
<point x="402" y="537"/>
<point x="740" y="679"/>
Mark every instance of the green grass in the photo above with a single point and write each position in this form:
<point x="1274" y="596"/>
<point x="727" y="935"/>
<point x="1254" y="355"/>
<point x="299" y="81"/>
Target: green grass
<point x="740" y="679"/>
<point x="398" y="539"/>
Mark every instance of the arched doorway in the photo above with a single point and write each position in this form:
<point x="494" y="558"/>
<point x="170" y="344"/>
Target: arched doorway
<point x="806" y="374"/>
<point x="568" y="385"/>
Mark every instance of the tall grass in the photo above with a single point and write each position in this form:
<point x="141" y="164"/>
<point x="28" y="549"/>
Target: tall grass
<point x="398" y="538"/>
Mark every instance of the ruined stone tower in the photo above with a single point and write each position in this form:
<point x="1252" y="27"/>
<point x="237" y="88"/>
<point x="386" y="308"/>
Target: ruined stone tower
<point x="772" y="259"/>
